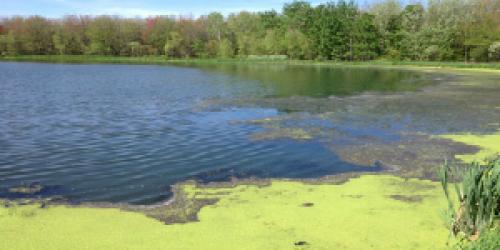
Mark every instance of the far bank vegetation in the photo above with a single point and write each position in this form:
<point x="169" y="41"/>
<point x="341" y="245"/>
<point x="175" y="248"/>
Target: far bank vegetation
<point x="446" y="30"/>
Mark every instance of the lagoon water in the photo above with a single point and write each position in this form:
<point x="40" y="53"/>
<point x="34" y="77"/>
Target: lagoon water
<point x="125" y="133"/>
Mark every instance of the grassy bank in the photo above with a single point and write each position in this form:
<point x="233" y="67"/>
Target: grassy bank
<point x="86" y="59"/>
<point x="383" y="212"/>
<point x="164" y="60"/>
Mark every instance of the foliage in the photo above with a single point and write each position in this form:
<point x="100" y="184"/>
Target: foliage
<point x="443" y="30"/>
<point x="225" y="49"/>
<point x="297" y="45"/>
<point x="494" y="51"/>
<point x="478" y="196"/>
<point x="489" y="240"/>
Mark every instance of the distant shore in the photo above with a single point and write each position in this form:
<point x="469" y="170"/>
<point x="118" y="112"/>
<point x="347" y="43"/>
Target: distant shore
<point x="476" y="67"/>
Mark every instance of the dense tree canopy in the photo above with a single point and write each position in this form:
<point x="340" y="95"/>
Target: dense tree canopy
<point x="437" y="30"/>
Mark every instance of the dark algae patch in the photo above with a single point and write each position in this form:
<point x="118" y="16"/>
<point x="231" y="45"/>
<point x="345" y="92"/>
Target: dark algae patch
<point x="407" y="198"/>
<point x="179" y="211"/>
<point x="413" y="156"/>
<point x="400" y="132"/>
<point x="33" y="190"/>
<point x="301" y="243"/>
<point x="30" y="189"/>
<point x="308" y="204"/>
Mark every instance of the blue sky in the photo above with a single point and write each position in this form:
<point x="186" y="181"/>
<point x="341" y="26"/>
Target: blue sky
<point x="131" y="8"/>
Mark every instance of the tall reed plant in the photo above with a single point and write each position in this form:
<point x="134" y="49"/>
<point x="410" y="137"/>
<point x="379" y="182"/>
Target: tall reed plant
<point x="478" y="196"/>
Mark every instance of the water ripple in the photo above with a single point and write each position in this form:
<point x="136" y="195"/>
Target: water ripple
<point x="126" y="133"/>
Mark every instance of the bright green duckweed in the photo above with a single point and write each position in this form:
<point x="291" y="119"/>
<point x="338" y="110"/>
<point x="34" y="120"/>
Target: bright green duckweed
<point x="373" y="211"/>
<point x="489" y="145"/>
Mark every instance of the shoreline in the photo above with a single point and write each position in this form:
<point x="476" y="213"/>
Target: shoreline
<point x="160" y="60"/>
<point x="333" y="179"/>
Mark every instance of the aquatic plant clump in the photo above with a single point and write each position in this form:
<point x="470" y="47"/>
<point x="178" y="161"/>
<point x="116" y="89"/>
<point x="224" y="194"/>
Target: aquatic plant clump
<point x="478" y="197"/>
<point x="489" y="239"/>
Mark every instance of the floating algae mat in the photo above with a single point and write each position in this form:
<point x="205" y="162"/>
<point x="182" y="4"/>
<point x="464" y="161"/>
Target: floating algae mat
<point x="372" y="211"/>
<point x="489" y="145"/>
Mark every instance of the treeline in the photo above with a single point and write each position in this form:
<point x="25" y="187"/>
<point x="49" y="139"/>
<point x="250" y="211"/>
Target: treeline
<point x="439" y="30"/>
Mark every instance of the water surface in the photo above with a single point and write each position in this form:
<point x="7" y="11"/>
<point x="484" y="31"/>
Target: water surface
<point x="321" y="81"/>
<point x="125" y="133"/>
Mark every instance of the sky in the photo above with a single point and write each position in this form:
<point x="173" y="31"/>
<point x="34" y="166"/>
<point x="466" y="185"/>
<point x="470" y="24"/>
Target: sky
<point x="139" y="8"/>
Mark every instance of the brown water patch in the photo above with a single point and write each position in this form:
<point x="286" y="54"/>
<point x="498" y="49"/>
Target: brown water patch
<point x="283" y="133"/>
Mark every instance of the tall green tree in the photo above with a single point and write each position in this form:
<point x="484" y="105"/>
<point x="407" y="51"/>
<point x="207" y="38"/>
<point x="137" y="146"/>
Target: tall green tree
<point x="387" y="20"/>
<point x="37" y="35"/>
<point x="247" y="30"/>
<point x="11" y="47"/>
<point x="299" y="15"/>
<point x="105" y="36"/>
<point x="480" y="28"/>
<point x="365" y="38"/>
<point x="156" y="32"/>
<point x="412" y="20"/>
<point x="297" y="45"/>
<point x="225" y="49"/>
<point x="215" y="26"/>
<point x="273" y="42"/>
<point x="440" y="33"/>
<point x="173" y="45"/>
<point x="271" y="20"/>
